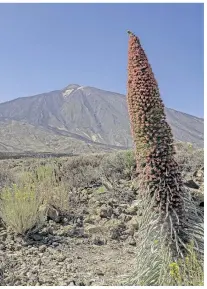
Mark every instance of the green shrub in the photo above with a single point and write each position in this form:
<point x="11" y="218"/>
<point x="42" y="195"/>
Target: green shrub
<point x="129" y="159"/>
<point x="19" y="207"/>
<point x="187" y="271"/>
<point x="101" y="190"/>
<point x="53" y="193"/>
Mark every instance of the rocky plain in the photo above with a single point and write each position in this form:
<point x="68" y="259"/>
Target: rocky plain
<point x="89" y="237"/>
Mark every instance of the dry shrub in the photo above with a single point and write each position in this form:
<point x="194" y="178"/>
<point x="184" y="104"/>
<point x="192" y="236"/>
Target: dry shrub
<point x="6" y="178"/>
<point x="119" y="165"/>
<point x="189" y="158"/>
<point x="82" y="171"/>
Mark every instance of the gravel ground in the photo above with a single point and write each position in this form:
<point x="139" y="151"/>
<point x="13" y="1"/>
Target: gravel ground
<point x="66" y="261"/>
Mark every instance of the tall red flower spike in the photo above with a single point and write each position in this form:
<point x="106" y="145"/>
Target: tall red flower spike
<point x="151" y="133"/>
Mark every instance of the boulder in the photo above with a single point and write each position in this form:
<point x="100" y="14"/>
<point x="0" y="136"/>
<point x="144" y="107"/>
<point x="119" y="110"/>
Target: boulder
<point x="131" y="241"/>
<point x="199" y="175"/>
<point x="191" y="184"/>
<point x="105" y="211"/>
<point x="53" y="214"/>
<point x="133" y="223"/>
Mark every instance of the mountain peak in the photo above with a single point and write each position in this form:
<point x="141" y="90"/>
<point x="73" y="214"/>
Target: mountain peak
<point x="69" y="89"/>
<point x="72" y="86"/>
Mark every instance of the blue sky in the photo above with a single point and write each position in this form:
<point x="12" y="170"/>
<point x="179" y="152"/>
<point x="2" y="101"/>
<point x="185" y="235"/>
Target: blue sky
<point x="48" y="46"/>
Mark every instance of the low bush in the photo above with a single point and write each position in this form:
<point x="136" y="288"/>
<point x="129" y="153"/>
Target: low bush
<point x="119" y="165"/>
<point x="53" y="191"/>
<point x="82" y="171"/>
<point x="20" y="204"/>
<point x="188" y="271"/>
<point x="19" y="207"/>
<point x="189" y="158"/>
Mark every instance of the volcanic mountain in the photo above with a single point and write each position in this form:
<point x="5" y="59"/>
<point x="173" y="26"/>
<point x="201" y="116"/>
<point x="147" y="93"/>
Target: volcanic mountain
<point x="79" y="119"/>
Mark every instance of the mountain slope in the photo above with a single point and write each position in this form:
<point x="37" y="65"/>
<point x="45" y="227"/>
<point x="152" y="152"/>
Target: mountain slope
<point x="79" y="115"/>
<point x="20" y="137"/>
